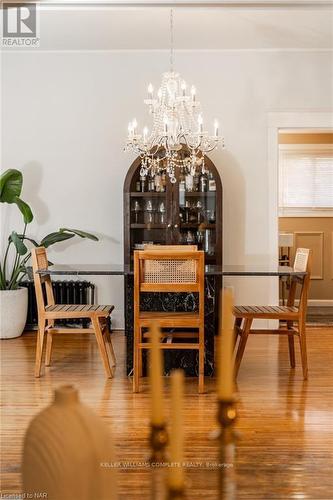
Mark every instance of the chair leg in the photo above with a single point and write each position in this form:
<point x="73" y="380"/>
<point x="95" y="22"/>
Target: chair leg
<point x="201" y="361"/>
<point x="140" y="358"/>
<point x="101" y="346"/>
<point x="237" y="327"/>
<point x="49" y="339"/>
<point x="39" y="346"/>
<point x="302" y="344"/>
<point x="242" y="343"/>
<point x="109" y="344"/>
<point x="291" y="350"/>
<point x="112" y="353"/>
<point x="136" y="359"/>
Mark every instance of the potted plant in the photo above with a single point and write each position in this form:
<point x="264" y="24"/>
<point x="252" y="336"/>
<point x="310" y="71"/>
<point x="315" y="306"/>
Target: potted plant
<point x="13" y="262"/>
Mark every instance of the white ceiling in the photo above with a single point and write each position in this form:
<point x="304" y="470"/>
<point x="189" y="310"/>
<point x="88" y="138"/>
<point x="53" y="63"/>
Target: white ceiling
<point x="120" y="28"/>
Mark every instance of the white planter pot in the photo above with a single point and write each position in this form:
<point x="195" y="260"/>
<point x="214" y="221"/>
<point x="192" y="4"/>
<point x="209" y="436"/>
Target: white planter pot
<point x="13" y="312"/>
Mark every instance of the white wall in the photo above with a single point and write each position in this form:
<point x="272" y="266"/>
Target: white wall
<point x="64" y="122"/>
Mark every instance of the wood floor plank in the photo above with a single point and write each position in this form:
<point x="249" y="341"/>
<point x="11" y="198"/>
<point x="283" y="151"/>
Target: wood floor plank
<point x="285" y="449"/>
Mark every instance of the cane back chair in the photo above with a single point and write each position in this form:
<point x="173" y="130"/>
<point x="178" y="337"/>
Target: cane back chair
<point x="174" y="270"/>
<point x="291" y="318"/>
<point x="49" y="311"/>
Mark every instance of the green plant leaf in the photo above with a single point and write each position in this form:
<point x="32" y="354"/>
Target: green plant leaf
<point x="10" y="185"/>
<point x="24" y="209"/>
<point x="80" y="233"/>
<point x="53" y="238"/>
<point x="23" y="237"/>
<point x="19" y="245"/>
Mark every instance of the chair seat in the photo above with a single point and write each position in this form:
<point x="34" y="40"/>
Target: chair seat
<point x="267" y="312"/>
<point x="169" y="319"/>
<point x="62" y="311"/>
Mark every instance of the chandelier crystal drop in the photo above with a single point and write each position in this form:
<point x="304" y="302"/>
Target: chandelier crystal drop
<point x="177" y="126"/>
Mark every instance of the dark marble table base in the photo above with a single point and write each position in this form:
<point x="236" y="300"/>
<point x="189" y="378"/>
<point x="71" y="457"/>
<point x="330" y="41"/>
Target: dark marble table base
<point x="186" y="359"/>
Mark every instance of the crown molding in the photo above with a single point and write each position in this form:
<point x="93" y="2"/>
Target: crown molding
<point x="224" y="4"/>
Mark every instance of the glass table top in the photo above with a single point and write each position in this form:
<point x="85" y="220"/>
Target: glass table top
<point x="210" y="270"/>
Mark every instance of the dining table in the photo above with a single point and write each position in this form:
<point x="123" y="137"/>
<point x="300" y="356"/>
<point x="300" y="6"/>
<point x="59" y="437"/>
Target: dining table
<point x="175" y="302"/>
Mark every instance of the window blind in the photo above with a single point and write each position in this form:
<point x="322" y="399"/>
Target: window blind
<point x="305" y="178"/>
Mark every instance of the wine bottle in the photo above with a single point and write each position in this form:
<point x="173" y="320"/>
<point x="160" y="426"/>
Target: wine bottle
<point x="203" y="182"/>
<point x="196" y="181"/>
<point x="151" y="183"/>
<point x="182" y="184"/>
<point x="189" y="181"/>
<point x="158" y="182"/>
<point x="211" y="182"/>
<point x="142" y="184"/>
<point x="163" y="182"/>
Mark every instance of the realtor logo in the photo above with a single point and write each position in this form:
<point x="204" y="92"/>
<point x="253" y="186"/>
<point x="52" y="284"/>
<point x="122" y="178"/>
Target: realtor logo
<point x="20" y="25"/>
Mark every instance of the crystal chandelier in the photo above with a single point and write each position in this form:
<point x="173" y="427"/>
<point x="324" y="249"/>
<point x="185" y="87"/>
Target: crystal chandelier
<point x="177" y="124"/>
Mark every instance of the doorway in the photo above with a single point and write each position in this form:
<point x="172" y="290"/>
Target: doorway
<point x="305" y="211"/>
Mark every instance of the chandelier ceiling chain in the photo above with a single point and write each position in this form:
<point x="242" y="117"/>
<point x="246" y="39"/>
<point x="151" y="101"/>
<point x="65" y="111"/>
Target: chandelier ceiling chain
<point x="171" y="42"/>
<point x="177" y="127"/>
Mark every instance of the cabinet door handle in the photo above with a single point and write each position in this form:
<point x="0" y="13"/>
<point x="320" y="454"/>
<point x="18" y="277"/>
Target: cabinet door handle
<point x="176" y="225"/>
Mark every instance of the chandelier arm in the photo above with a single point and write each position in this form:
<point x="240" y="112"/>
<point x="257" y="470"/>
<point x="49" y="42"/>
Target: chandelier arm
<point x="210" y="147"/>
<point x="155" y="152"/>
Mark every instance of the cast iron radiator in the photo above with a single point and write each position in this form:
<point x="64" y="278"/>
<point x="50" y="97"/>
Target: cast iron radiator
<point x="65" y="292"/>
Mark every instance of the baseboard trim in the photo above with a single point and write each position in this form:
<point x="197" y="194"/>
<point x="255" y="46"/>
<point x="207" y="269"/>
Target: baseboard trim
<point x="316" y="303"/>
<point x="320" y="303"/>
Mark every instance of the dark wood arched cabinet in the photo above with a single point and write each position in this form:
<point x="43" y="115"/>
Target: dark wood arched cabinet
<point x="187" y="212"/>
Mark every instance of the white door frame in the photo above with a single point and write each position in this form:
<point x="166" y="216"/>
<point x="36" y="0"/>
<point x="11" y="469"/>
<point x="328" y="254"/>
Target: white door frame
<point x="277" y="121"/>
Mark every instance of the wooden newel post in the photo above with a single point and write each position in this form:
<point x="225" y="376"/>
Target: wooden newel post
<point x="176" y="470"/>
<point x="158" y="433"/>
<point x="226" y="412"/>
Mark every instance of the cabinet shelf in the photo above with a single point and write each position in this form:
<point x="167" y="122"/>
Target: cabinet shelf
<point x="148" y="226"/>
<point x="196" y="225"/>
<point x="147" y="194"/>
<point x="196" y="194"/>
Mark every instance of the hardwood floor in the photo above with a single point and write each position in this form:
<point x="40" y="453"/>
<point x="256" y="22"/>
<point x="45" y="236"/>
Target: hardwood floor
<point x="286" y="424"/>
<point x="320" y="315"/>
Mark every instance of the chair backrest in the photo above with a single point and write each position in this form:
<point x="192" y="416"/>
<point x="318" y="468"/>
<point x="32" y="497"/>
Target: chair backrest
<point x="301" y="259"/>
<point x="170" y="271"/>
<point x="40" y="262"/>
<point x="302" y="264"/>
<point x="179" y="248"/>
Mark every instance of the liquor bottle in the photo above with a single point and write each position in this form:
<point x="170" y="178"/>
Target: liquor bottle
<point x="151" y="183"/>
<point x="211" y="182"/>
<point x="196" y="181"/>
<point x="163" y="182"/>
<point x="200" y="217"/>
<point x="138" y="186"/>
<point x="182" y="184"/>
<point x="189" y="181"/>
<point x="203" y="182"/>
<point x="187" y="212"/>
<point x="158" y="182"/>
<point x="143" y="184"/>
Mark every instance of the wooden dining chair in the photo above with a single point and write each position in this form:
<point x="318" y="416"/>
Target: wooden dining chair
<point x="169" y="271"/>
<point x="291" y="318"/>
<point x="49" y="311"/>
